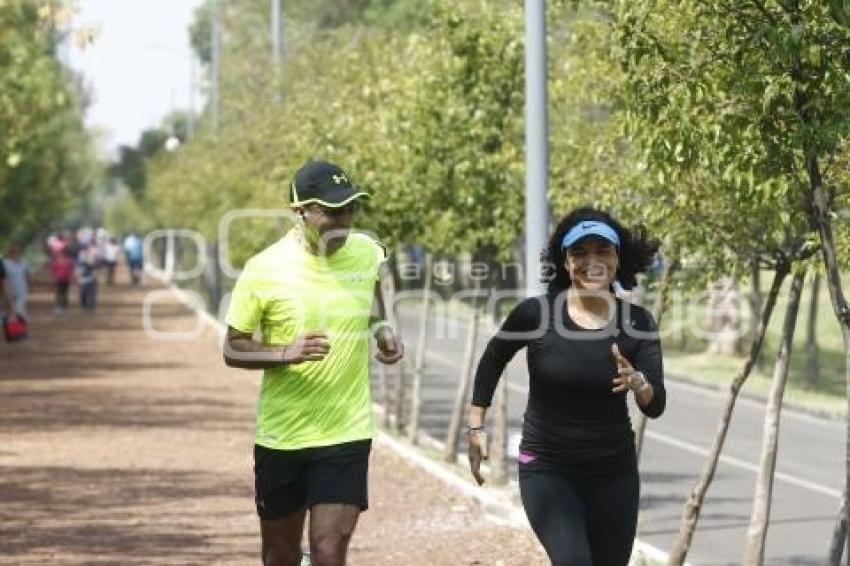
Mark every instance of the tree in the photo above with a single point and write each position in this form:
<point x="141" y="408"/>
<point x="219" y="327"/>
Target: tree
<point x="757" y="532"/>
<point x="131" y="166"/>
<point x="755" y="94"/>
<point x="47" y="163"/>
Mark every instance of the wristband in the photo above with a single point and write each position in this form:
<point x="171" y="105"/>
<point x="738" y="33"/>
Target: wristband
<point x="378" y="325"/>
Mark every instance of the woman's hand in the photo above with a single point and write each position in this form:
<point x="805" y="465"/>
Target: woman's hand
<point x="628" y="378"/>
<point x="477" y="440"/>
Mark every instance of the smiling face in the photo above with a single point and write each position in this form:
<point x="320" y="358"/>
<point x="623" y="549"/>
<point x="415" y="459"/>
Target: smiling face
<point x="592" y="263"/>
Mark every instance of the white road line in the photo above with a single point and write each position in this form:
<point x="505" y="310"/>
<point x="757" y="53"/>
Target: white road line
<point x="732" y="461"/>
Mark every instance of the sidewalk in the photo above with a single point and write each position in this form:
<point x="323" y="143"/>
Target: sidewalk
<point x="119" y="449"/>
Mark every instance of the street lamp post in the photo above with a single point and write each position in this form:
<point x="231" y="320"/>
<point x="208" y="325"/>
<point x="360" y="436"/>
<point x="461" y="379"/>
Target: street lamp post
<point x="216" y="56"/>
<point x="277" y="45"/>
<point x="536" y="143"/>
<point x="276" y="32"/>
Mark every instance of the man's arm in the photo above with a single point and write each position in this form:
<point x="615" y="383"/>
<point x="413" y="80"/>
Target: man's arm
<point x="242" y="351"/>
<point x="378" y="316"/>
<point x="390" y="347"/>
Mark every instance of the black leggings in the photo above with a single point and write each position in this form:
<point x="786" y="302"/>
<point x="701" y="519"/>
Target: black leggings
<point x="581" y="521"/>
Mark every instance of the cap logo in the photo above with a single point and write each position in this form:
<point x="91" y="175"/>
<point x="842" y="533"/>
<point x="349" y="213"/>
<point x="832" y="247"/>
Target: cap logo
<point x="338" y="179"/>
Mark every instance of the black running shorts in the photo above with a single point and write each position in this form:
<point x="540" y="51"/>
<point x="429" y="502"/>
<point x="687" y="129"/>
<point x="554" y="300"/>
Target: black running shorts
<point x="287" y="481"/>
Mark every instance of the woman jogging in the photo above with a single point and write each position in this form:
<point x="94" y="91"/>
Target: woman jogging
<point x="587" y="350"/>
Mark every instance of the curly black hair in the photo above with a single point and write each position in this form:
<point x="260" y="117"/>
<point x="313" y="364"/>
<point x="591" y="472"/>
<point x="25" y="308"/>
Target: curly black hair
<point x="635" y="253"/>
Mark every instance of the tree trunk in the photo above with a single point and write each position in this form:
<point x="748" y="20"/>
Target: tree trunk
<point x="690" y="514"/>
<point x="757" y="301"/>
<point x="760" y="518"/>
<point x="839" y="535"/>
<point x="819" y="210"/>
<point x="811" y="376"/>
<point x="464" y="381"/>
<point x="421" y="345"/>
<point x="659" y="309"/>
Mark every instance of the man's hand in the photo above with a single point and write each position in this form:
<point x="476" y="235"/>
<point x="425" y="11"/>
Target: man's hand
<point x="390" y="348"/>
<point x="309" y="347"/>
<point x="242" y="351"/>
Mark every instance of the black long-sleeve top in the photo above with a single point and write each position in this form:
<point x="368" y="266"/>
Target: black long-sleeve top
<point x="572" y="418"/>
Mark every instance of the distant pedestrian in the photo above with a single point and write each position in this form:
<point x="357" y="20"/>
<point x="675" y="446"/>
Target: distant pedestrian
<point x="6" y="302"/>
<point x="101" y="238"/>
<point x="87" y="278"/>
<point x="56" y="244"/>
<point x="111" y="250"/>
<point x="587" y="350"/>
<point x="135" y="259"/>
<point x="62" y="271"/>
<point x="17" y="278"/>
<point x="13" y="324"/>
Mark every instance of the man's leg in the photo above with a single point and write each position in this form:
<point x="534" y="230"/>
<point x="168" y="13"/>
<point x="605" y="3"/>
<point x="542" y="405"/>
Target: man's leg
<point x="282" y="539"/>
<point x="331" y="527"/>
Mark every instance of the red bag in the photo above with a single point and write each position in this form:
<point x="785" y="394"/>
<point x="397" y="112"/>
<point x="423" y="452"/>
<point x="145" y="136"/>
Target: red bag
<point x="15" y="328"/>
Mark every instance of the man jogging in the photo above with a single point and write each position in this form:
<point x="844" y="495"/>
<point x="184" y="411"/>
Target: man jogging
<point x="315" y="297"/>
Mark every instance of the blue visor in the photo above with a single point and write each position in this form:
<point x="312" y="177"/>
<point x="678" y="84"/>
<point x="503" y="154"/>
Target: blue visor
<point x="590" y="228"/>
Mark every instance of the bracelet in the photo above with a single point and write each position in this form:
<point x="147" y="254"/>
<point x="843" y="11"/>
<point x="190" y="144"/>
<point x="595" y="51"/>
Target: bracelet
<point x="378" y="325"/>
<point x="643" y="381"/>
<point x="472" y="429"/>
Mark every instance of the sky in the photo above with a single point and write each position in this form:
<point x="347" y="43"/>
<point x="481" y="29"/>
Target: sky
<point x="139" y="68"/>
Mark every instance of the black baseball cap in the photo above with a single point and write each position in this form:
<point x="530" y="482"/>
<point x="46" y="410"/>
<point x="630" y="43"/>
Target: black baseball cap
<point x="323" y="183"/>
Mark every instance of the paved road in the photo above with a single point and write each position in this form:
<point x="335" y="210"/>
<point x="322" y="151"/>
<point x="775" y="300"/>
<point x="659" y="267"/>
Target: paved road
<point x="807" y="490"/>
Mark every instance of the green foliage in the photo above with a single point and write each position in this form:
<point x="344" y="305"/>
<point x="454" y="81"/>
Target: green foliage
<point x="463" y="136"/>
<point x="123" y="213"/>
<point x="200" y="34"/>
<point x="46" y="160"/>
<point x="304" y="18"/>
<point x="430" y="122"/>
<point x="386" y="14"/>
<point x="132" y="163"/>
<point x="729" y="102"/>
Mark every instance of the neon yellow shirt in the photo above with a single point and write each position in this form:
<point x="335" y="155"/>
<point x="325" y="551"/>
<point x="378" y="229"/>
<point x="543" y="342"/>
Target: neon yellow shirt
<point x="287" y="291"/>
